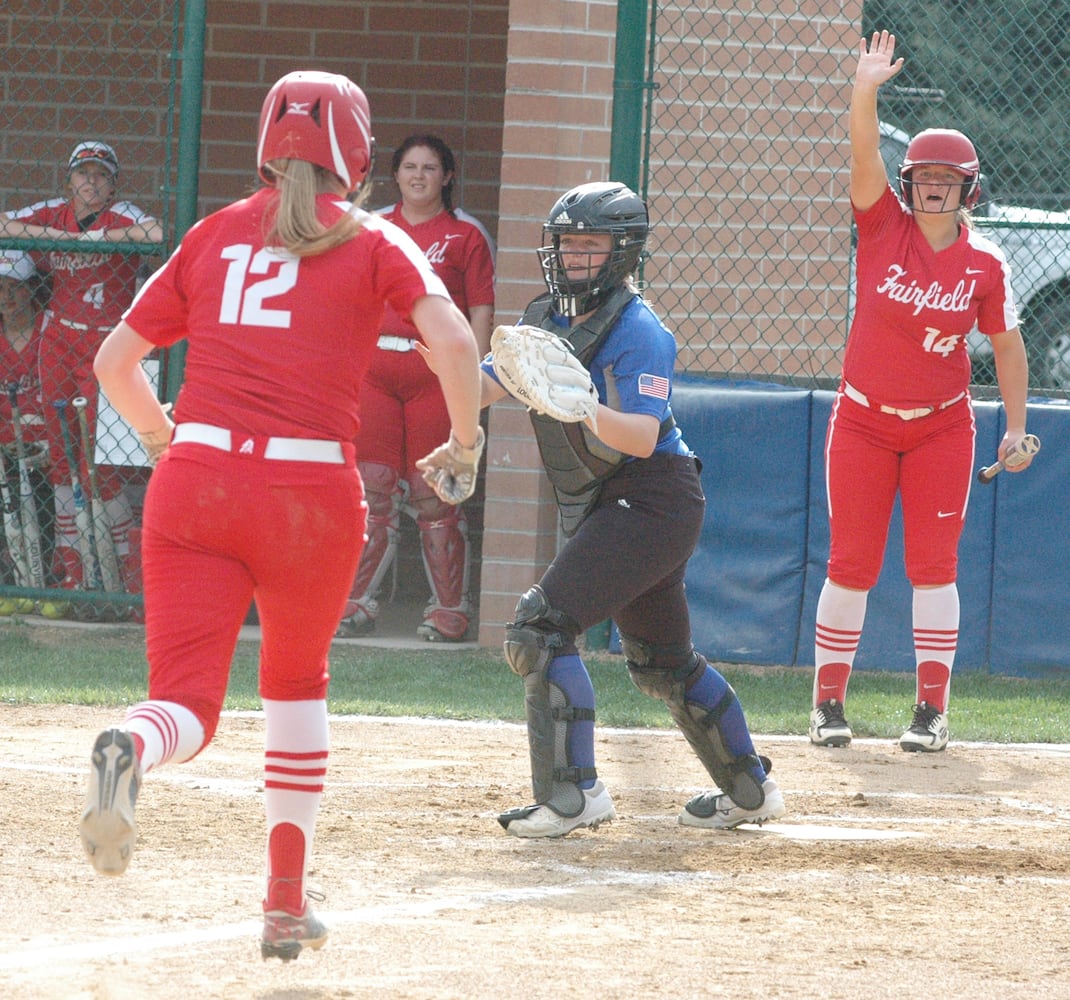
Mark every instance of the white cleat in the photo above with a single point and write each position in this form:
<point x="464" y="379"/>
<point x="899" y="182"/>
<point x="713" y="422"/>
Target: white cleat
<point x="828" y="727"/>
<point x="928" y="732"/>
<point x="542" y="821"/>
<point x="108" y="828"/>
<point x="716" y="811"/>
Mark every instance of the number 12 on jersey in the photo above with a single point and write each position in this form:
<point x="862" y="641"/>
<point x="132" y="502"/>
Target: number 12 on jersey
<point x="245" y="297"/>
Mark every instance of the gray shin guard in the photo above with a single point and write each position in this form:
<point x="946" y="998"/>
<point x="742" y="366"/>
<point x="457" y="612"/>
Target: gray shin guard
<point x="699" y="724"/>
<point x="732" y="774"/>
<point x="554" y="781"/>
<point x="531" y="644"/>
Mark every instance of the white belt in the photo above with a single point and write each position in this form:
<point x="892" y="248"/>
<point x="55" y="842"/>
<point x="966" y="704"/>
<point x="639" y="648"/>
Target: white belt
<point x="922" y="411"/>
<point x="84" y="326"/>
<point x="282" y="449"/>
<point x="388" y="343"/>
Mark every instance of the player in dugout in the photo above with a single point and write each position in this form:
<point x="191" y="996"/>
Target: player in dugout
<point x="89" y="291"/>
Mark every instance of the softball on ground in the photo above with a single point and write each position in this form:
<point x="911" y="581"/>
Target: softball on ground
<point x="54" y="609"/>
<point x="16" y="606"/>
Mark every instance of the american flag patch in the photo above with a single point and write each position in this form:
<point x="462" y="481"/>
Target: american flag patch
<point x="654" y="385"/>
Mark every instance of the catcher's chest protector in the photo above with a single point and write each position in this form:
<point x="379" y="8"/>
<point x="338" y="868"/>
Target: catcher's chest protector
<point x="576" y="462"/>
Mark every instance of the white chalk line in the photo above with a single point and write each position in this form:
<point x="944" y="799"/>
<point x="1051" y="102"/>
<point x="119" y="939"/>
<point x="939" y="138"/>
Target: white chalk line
<point x="51" y="955"/>
<point x="245" y="787"/>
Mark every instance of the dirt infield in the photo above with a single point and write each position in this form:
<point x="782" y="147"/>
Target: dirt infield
<point x="893" y="875"/>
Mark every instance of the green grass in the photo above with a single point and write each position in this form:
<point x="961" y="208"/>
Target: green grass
<point x="44" y="665"/>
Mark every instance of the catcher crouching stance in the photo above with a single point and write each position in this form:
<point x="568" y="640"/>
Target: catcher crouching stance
<point x="594" y="364"/>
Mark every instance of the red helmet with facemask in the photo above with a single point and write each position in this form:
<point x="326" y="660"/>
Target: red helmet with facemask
<point x="944" y="147"/>
<point x="322" y="118"/>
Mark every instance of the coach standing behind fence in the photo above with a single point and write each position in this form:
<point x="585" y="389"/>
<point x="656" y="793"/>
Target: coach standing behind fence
<point x="90" y="290"/>
<point x="258" y="495"/>
<point x="902" y="420"/>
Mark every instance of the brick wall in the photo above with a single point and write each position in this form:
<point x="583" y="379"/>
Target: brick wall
<point x="424" y="63"/>
<point x="558" y="113"/>
<point x="66" y="76"/>
<point x="521" y="89"/>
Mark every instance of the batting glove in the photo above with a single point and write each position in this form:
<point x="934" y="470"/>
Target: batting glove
<point x="155" y="442"/>
<point x="450" y="470"/>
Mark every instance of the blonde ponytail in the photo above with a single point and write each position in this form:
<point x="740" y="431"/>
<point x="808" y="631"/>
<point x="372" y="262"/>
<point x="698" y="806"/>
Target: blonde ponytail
<point x="292" y="221"/>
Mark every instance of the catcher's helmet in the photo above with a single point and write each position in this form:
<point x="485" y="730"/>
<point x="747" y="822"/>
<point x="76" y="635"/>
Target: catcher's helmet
<point x="599" y="207"/>
<point x="945" y="147"/>
<point x="322" y="118"/>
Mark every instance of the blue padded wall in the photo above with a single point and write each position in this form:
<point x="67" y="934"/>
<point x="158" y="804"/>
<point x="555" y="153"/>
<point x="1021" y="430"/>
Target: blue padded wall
<point x="745" y="579"/>
<point x="755" y="577"/>
<point x="1031" y="564"/>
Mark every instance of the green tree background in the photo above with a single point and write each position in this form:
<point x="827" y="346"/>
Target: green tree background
<point x="1004" y="72"/>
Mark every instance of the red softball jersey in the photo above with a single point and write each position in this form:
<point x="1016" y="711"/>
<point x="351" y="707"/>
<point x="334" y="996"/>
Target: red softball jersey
<point x="91" y="288"/>
<point x="462" y="254"/>
<point x="907" y="344"/>
<point x="19" y="368"/>
<point x="278" y="345"/>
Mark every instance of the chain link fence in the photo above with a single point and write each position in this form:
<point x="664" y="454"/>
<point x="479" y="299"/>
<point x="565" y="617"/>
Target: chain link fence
<point x="86" y="119"/>
<point x="746" y="177"/>
<point x="748" y="166"/>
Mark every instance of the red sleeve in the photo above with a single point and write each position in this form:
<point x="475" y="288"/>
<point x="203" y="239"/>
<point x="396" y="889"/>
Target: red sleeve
<point x="479" y="272"/>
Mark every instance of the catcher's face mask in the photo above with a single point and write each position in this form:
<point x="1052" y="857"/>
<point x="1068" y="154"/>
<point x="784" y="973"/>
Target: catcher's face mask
<point x="580" y="269"/>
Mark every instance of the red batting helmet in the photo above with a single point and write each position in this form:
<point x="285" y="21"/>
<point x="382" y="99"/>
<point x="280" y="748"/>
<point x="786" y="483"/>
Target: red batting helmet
<point x="322" y="118"/>
<point x="945" y="147"/>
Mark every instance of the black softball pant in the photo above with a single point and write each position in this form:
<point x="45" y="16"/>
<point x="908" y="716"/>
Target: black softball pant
<point x="628" y="558"/>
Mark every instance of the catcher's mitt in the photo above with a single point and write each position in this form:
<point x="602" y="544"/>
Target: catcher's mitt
<point x="537" y="367"/>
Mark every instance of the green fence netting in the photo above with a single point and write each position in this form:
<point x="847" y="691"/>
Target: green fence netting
<point x="746" y="170"/>
<point x="87" y="117"/>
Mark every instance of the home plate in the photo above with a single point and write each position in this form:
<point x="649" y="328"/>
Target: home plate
<point x="820" y="831"/>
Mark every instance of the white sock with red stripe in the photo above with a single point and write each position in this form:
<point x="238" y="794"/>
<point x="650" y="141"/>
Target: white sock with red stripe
<point x="66" y="528"/>
<point x="295" y="765"/>
<point x="164" y="732"/>
<point x="936" y="639"/>
<point x="840" y="613"/>
<point x="120" y="518"/>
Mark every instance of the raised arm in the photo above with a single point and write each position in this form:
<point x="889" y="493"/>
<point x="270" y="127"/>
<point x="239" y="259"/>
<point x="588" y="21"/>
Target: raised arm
<point x="875" y="67"/>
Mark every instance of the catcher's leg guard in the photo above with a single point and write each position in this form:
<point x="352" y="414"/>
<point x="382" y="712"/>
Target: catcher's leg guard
<point x="444" y="545"/>
<point x="556" y="698"/>
<point x="667" y="672"/>
<point x="383" y="494"/>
